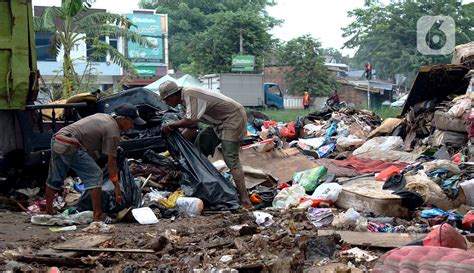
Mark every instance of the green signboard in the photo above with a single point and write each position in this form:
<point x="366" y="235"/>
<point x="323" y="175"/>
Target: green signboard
<point x="146" y="71"/>
<point x="243" y="63"/>
<point x="240" y="69"/>
<point x="148" y="25"/>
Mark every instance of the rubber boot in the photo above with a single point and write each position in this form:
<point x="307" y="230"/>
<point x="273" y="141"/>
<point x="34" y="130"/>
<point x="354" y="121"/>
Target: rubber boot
<point x="239" y="179"/>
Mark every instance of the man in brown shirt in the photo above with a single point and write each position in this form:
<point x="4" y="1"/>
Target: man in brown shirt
<point x="78" y="145"/>
<point x="227" y="120"/>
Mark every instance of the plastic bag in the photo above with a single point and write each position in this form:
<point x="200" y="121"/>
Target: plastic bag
<point x="311" y="178"/>
<point x="263" y="219"/>
<point x="468" y="221"/>
<point x="288" y="131"/>
<point x="351" y="140"/>
<point x="310" y="143"/>
<point x="200" y="178"/>
<point x="288" y="197"/>
<point x="327" y="191"/>
<point x="347" y="219"/>
<point x="386" y="143"/>
<point x="190" y="206"/>
<point x="325" y="150"/>
<point x="331" y="130"/>
<point x="131" y="192"/>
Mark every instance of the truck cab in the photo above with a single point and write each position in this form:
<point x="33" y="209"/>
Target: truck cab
<point x="273" y="95"/>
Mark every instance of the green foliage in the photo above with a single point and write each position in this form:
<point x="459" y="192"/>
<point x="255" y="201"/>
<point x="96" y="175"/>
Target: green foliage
<point x="305" y="55"/>
<point x="388" y="112"/>
<point x="204" y="34"/>
<point x="287" y="115"/>
<point x="385" y="35"/>
<point x="68" y="21"/>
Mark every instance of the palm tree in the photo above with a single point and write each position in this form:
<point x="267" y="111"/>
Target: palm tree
<point x="68" y="22"/>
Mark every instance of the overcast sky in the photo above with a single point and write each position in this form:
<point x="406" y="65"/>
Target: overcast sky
<point x="321" y="19"/>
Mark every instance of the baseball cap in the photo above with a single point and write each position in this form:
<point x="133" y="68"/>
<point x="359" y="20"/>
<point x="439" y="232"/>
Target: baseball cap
<point x="130" y="111"/>
<point x="168" y="88"/>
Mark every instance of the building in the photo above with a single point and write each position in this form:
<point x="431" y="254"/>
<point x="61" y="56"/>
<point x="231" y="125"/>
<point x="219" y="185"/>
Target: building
<point x="150" y="63"/>
<point x="355" y="91"/>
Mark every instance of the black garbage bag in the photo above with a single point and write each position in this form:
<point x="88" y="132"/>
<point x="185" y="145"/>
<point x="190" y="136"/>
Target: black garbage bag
<point x="131" y="193"/>
<point x="200" y="178"/>
<point x="158" y="160"/>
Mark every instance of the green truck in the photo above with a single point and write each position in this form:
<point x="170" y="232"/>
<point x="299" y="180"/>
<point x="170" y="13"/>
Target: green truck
<point x="24" y="135"/>
<point x="18" y="74"/>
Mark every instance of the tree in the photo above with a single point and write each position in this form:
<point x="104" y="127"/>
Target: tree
<point x="206" y="32"/>
<point x="385" y="35"/>
<point x="308" y="73"/>
<point x="213" y="49"/>
<point x="68" y="22"/>
<point x="334" y="53"/>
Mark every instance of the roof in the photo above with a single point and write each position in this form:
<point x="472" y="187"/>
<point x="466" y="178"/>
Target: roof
<point x="155" y="86"/>
<point x="188" y="80"/>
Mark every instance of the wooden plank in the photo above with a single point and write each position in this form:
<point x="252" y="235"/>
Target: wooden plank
<point x="127" y="250"/>
<point x="366" y="194"/>
<point x="62" y="261"/>
<point x="376" y="239"/>
<point x="78" y="242"/>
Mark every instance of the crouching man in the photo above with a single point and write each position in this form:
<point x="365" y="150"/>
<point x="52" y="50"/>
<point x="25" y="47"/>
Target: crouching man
<point x="76" y="147"/>
<point x="227" y="120"/>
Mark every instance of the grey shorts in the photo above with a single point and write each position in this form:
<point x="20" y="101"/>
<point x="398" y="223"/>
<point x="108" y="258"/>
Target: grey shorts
<point x="207" y="141"/>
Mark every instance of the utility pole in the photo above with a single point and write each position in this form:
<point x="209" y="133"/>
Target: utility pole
<point x="368" y="94"/>
<point x="241" y="39"/>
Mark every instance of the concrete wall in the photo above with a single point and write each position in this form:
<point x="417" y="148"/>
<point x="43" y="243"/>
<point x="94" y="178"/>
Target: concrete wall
<point x="276" y="74"/>
<point x="349" y="94"/>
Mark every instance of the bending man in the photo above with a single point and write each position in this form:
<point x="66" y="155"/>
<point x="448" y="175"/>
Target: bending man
<point x="227" y="120"/>
<point x="76" y="147"/>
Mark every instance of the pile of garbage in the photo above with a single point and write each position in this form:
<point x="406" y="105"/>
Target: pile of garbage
<point x="339" y="169"/>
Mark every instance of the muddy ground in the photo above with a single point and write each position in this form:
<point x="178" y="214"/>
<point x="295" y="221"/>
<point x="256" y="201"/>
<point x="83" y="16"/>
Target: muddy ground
<point x="184" y="244"/>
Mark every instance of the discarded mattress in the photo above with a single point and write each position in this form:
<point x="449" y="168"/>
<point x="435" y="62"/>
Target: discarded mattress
<point x="426" y="259"/>
<point x="366" y="194"/>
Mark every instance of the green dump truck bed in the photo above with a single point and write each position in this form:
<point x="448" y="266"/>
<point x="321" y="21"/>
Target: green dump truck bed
<point x="17" y="54"/>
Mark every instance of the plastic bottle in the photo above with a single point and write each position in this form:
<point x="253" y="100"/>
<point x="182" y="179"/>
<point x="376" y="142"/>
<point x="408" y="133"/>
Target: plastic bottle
<point x="190" y="206"/>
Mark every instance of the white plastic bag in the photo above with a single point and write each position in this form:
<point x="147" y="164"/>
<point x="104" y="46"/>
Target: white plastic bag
<point x="351" y="140"/>
<point x="384" y="143"/>
<point x="346" y="220"/>
<point x="312" y="143"/>
<point x="289" y="197"/>
<point x="263" y="219"/>
<point x="327" y="191"/>
<point x="190" y="206"/>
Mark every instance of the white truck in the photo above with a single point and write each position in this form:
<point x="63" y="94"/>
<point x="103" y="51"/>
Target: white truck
<point x="247" y="89"/>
